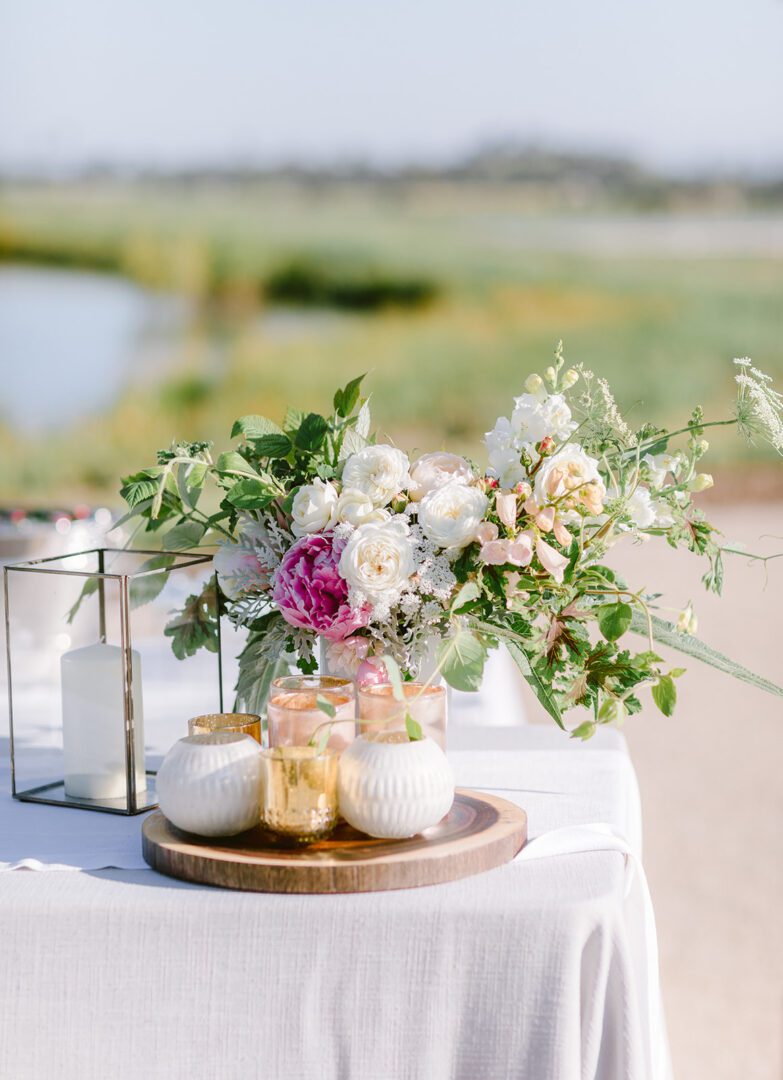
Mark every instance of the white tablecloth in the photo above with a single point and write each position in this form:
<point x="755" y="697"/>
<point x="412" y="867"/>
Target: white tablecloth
<point x="544" y="969"/>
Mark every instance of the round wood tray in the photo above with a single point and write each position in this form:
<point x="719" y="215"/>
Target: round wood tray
<point x="479" y="832"/>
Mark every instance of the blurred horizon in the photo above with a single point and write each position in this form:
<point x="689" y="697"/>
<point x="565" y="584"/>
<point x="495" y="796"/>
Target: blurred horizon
<point x="680" y="89"/>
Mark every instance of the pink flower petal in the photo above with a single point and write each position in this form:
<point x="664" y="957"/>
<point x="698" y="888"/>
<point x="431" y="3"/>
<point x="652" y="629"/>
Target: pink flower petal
<point x="552" y="561"/>
<point x="506" y="506"/>
<point x="546" y="519"/>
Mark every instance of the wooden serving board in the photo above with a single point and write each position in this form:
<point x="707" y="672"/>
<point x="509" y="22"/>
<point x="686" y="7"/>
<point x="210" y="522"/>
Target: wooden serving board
<point x="479" y="832"/>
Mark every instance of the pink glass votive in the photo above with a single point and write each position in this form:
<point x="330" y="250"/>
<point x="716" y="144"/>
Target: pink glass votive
<point x="293" y="713"/>
<point x="380" y="711"/>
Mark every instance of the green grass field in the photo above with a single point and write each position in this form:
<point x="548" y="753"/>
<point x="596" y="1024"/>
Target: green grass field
<point x="663" y="330"/>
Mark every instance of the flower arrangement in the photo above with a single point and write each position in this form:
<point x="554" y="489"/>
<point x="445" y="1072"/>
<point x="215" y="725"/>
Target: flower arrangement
<point x="326" y="535"/>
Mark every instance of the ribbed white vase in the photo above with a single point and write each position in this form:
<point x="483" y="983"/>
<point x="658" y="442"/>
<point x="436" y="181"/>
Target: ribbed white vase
<point x="211" y="784"/>
<point x="391" y="788"/>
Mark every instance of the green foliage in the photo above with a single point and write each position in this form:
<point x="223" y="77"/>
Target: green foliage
<point x="664" y="694"/>
<point x="345" y="400"/>
<point x="461" y="658"/>
<point x="614" y="619"/>
<point x="666" y="634"/>
<point x="196" y="626"/>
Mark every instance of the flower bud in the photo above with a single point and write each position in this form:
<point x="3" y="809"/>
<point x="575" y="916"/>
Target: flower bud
<point x="701" y="482"/>
<point x="570" y="378"/>
<point x="687" y="623"/>
<point x="550" y="375"/>
<point x="524" y="489"/>
<point x="703" y="446"/>
<point x="533" y="383"/>
<point x="546" y="446"/>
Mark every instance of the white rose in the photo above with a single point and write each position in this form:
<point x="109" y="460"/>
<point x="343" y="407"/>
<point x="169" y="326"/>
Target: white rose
<point x="378" y="557"/>
<point x="451" y="515"/>
<point x="572" y="476"/>
<point x="379" y="471"/>
<point x="534" y="420"/>
<point x="503" y="454"/>
<point x="314" y="508"/>
<point x="357" y="508"/>
<point x="433" y="470"/>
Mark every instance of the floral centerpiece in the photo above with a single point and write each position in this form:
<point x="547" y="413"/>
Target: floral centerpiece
<point x="327" y="536"/>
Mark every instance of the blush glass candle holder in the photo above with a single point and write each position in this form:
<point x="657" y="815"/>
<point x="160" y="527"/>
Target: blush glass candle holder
<point x="293" y="713"/>
<point x="241" y="723"/>
<point x="379" y="710"/>
<point x="299" y="792"/>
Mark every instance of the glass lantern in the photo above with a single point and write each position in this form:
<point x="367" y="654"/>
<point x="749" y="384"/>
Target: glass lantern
<point x="102" y="671"/>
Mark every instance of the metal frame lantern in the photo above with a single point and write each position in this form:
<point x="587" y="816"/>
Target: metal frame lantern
<point x="77" y="629"/>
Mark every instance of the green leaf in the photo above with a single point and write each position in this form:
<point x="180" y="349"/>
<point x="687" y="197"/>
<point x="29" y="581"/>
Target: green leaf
<point x="585" y="731"/>
<point x="614" y="620"/>
<point x="253" y="427"/>
<point x="143" y="590"/>
<point x="352" y="443"/>
<point x="664" y="694"/>
<point x="326" y="706"/>
<point x="573" y="556"/>
<point x="665" y="633"/>
<point x="539" y="686"/>
<point x="413" y="727"/>
<point x="394" y="677"/>
<point x="345" y="400"/>
<point x="612" y="711"/>
<point x="234" y="463"/>
<point x="461" y="659"/>
<point x="250" y="495"/>
<point x="188" y="534"/>
<point x="90" y="586"/>
<point x="140" y="486"/>
<point x="190" y="481"/>
<point x="273" y="446"/>
<point x="311" y="433"/>
<point x="292" y="420"/>
<point x="469" y="591"/>
<point x="260" y="663"/>
<point x="320" y="738"/>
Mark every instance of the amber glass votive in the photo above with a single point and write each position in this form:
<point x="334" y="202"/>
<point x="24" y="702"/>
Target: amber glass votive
<point x="243" y="723"/>
<point x="293" y="713"/>
<point x="299" y="792"/>
<point x="379" y="710"/>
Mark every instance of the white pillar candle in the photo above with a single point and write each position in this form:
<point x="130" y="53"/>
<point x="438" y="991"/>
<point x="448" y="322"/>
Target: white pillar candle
<point x="94" y="722"/>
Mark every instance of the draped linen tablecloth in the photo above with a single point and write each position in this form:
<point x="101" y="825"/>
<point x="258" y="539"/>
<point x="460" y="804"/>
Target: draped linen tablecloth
<point x="543" y="969"/>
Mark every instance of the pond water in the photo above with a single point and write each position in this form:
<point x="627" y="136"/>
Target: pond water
<point x="70" y="341"/>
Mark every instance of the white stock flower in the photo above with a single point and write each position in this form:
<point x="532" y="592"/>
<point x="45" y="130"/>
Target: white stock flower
<point x="571" y="478"/>
<point x="534" y="420"/>
<point x="451" y="515"/>
<point x="659" y="466"/>
<point x="503" y="454"/>
<point x="357" y="508"/>
<point x="381" y="472"/>
<point x="378" y="558"/>
<point x="433" y="470"/>
<point x="640" y="507"/>
<point x="314" y="508"/>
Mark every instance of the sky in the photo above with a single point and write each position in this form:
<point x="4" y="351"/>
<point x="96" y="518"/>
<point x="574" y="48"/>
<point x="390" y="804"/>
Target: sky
<point x="681" y="85"/>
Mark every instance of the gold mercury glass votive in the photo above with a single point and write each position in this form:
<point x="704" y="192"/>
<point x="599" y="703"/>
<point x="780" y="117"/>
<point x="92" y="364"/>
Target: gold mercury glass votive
<point x="293" y="713"/>
<point x="299" y="792"/>
<point x="379" y="710"/>
<point x="243" y="723"/>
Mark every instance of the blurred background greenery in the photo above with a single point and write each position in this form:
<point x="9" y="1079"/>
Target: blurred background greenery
<point x="254" y="290"/>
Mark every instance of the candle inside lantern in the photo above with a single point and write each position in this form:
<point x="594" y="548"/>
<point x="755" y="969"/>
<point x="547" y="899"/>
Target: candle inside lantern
<point x="94" y="722"/>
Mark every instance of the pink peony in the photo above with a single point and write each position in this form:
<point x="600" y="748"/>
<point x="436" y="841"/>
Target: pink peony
<point x="309" y="591"/>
